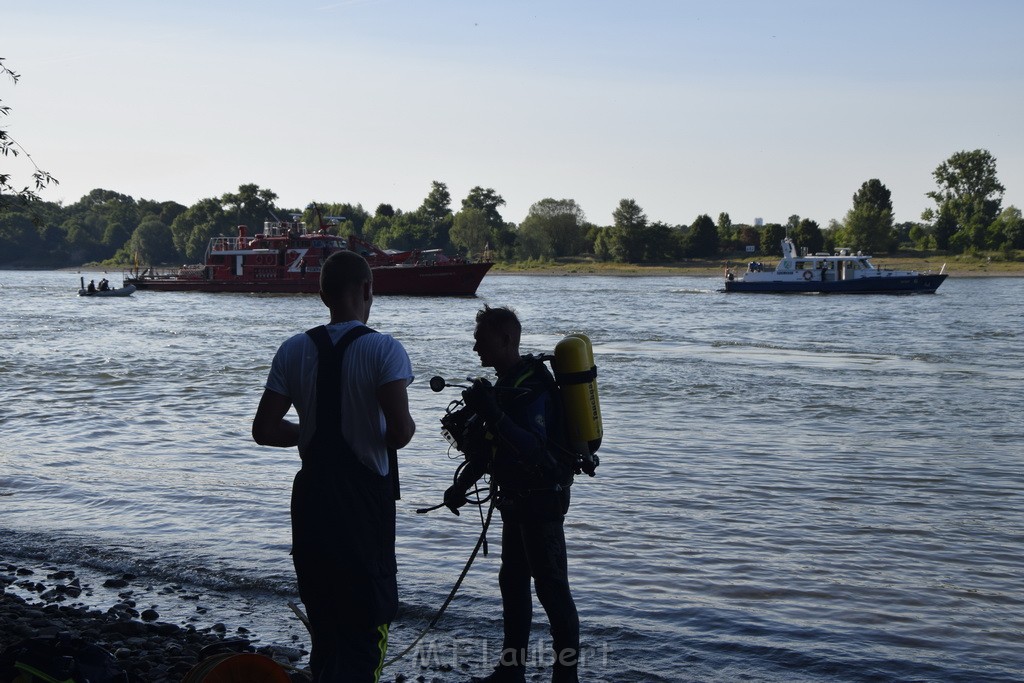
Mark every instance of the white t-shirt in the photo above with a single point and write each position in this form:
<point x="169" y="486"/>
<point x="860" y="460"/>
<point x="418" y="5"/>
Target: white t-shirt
<point x="370" y="361"/>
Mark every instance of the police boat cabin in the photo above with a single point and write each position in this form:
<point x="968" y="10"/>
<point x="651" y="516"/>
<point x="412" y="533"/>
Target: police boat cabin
<point x="842" y="272"/>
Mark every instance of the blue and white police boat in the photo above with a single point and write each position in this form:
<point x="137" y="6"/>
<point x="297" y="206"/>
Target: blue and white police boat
<point x="842" y="273"/>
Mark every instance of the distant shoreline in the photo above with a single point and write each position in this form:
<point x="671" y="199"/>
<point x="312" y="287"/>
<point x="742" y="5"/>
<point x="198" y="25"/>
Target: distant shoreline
<point x="955" y="268"/>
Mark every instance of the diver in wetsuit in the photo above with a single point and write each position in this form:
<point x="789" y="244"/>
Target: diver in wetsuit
<point x="522" y="451"/>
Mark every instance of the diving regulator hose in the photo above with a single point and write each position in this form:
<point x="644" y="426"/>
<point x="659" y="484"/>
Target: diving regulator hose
<point x="481" y="542"/>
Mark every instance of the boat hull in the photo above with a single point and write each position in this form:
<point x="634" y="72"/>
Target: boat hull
<point x="896" y="284"/>
<point x="456" y="279"/>
<point x="127" y="290"/>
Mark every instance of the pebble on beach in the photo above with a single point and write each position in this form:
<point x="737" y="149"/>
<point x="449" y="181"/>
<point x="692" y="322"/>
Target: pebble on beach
<point x="149" y="650"/>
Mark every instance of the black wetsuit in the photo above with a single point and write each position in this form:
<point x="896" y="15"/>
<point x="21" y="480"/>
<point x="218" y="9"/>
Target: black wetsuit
<point x="533" y="476"/>
<point x="343" y="537"/>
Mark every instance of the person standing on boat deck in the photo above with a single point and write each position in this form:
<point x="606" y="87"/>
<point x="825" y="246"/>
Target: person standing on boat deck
<point x="522" y="414"/>
<point x="348" y="385"/>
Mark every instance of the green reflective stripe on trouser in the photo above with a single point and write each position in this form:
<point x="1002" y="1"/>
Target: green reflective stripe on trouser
<point x="383" y="645"/>
<point x="36" y="673"/>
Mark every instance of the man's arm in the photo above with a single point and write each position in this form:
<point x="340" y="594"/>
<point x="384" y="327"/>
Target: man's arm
<point x="269" y="428"/>
<point x="394" y="403"/>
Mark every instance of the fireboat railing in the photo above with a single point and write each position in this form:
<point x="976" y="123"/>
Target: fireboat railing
<point x="229" y="243"/>
<point x="186" y="272"/>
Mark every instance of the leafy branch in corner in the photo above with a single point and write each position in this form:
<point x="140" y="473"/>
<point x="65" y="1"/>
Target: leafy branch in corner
<point x="9" y="147"/>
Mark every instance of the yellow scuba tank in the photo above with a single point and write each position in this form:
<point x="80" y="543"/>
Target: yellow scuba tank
<point x="576" y="375"/>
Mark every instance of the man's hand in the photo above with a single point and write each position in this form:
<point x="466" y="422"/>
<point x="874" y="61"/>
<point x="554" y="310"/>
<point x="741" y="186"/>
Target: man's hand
<point x="454" y="498"/>
<point x="481" y="399"/>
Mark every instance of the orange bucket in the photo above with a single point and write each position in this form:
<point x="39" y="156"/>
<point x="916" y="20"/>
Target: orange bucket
<point x="237" y="668"/>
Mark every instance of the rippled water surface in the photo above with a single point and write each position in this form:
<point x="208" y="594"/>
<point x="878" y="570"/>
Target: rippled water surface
<point x="792" y="488"/>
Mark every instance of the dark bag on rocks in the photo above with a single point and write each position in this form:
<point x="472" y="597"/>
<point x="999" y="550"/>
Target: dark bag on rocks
<point x="59" y="659"/>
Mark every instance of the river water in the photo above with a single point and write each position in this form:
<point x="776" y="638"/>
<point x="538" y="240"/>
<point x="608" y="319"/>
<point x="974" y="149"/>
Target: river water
<point x="792" y="488"/>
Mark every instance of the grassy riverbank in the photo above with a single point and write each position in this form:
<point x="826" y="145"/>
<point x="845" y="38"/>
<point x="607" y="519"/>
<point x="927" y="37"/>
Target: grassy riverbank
<point x="956" y="265"/>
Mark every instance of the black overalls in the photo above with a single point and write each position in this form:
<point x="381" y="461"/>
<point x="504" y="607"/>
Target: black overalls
<point x="343" y="536"/>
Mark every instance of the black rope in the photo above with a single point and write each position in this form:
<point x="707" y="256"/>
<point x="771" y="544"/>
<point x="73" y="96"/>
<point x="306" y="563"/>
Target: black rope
<point x="451" y="596"/>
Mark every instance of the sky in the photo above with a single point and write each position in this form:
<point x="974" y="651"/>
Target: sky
<point x="762" y="109"/>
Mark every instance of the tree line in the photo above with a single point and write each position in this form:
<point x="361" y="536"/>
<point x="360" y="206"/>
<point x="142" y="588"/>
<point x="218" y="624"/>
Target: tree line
<point x="115" y="229"/>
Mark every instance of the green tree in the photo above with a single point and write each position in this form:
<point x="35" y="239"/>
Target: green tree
<point x="901" y="233"/>
<point x="438" y="202"/>
<point x="99" y="223"/>
<point x="726" y="231"/>
<point x="31" y="235"/>
<point x="661" y="242"/>
<point x="165" y="212"/>
<point x="378" y="226"/>
<point x="435" y="213"/>
<point x="352" y="217"/>
<point x="471" y="232"/>
<point x="406" y="231"/>
<point x="191" y="231"/>
<point x="553" y="228"/>
<point x="1008" y="228"/>
<point x="20" y="241"/>
<point x="749" y="236"/>
<point x="970" y="193"/>
<point x="920" y="236"/>
<point x="9" y="147"/>
<point x="944" y="227"/>
<point x="833" y="234"/>
<point x="502" y="238"/>
<point x="808" y="235"/>
<point x="533" y="242"/>
<point x="152" y="243"/>
<point x="602" y="243"/>
<point x="82" y="238"/>
<point x="869" y="224"/>
<point x="488" y="201"/>
<point x="625" y="240"/>
<point x="250" y="206"/>
<point x="772" y="235"/>
<point x="702" y="240"/>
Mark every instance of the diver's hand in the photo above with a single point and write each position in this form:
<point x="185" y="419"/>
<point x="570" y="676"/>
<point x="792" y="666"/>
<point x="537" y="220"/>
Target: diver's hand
<point x="454" y="498"/>
<point x="481" y="399"/>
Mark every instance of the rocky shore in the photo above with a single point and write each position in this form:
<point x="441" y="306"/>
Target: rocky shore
<point x="122" y="615"/>
<point x="148" y="649"/>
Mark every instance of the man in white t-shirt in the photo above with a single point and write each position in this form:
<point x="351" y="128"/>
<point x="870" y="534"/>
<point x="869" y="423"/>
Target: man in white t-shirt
<point x="348" y="385"/>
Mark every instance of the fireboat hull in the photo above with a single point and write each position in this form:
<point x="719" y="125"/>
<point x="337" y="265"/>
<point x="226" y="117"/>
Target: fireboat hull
<point x="459" y="279"/>
<point x="285" y="258"/>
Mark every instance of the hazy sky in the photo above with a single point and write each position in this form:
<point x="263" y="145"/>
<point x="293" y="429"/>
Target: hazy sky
<point x="760" y="109"/>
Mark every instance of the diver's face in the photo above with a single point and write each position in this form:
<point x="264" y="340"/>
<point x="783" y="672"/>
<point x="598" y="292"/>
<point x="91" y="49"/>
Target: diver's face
<point x="490" y="345"/>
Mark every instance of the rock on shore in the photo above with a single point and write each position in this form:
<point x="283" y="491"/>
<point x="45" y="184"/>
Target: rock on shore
<point x="42" y="600"/>
<point x="150" y="651"/>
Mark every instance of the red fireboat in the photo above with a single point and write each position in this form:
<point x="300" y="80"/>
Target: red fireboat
<point x="285" y="258"/>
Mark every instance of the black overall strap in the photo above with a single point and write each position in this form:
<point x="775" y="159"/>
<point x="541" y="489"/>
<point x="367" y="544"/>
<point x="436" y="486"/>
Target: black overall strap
<point x="328" y="402"/>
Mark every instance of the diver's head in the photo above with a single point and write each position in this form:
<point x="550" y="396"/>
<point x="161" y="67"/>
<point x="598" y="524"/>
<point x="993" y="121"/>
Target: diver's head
<point x="497" y="337"/>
